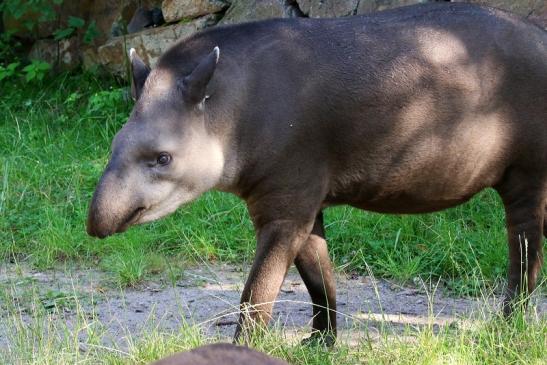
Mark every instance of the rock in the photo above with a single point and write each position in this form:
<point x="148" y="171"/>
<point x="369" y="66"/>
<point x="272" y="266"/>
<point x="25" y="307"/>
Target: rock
<point x="63" y="54"/>
<point x="328" y="9"/>
<point x="248" y="10"/>
<point x="174" y="10"/>
<point x="368" y="6"/>
<point x="520" y="7"/>
<point x="90" y="57"/>
<point x="112" y="18"/>
<point x="244" y="10"/>
<point x="111" y="15"/>
<point x="150" y="44"/>
<point x="540" y="20"/>
<point x="534" y="10"/>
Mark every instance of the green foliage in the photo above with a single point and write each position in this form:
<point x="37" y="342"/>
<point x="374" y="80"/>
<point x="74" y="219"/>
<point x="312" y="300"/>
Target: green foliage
<point x="37" y="11"/>
<point x="105" y="100"/>
<point x="9" y="70"/>
<point x="91" y="32"/>
<point x="36" y="70"/>
<point x="74" y="23"/>
<point x="31" y="13"/>
<point x="8" y="47"/>
<point x="34" y="12"/>
<point x="63" y="33"/>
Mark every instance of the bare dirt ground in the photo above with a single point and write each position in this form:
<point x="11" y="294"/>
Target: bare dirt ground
<point x="209" y="297"/>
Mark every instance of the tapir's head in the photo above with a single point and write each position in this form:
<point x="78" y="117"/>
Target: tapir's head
<point x="164" y="156"/>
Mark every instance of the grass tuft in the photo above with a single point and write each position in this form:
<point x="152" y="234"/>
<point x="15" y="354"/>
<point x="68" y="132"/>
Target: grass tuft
<point x="54" y="144"/>
<point x="62" y="328"/>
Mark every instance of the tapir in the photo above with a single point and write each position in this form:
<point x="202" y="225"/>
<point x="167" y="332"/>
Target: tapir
<point x="410" y="110"/>
<point x="220" y="353"/>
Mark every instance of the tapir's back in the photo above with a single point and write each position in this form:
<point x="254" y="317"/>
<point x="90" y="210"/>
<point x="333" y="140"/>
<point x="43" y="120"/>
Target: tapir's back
<point x="390" y="104"/>
<point x="448" y="100"/>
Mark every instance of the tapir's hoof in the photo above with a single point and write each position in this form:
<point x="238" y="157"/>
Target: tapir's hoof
<point x="318" y="338"/>
<point x="512" y="306"/>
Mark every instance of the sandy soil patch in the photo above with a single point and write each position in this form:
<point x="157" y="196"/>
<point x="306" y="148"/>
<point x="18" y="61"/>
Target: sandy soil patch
<point x="209" y="296"/>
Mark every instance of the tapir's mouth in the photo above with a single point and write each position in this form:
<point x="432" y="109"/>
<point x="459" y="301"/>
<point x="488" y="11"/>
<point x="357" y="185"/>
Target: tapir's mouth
<point x="131" y="219"/>
<point x="102" y="232"/>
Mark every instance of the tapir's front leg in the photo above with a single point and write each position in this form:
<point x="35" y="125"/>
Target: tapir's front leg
<point x="279" y="241"/>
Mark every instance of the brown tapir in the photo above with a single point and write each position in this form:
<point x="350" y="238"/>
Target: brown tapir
<point x="410" y="110"/>
<point x="220" y="354"/>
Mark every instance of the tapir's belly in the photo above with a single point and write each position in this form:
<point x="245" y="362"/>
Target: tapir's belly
<point x="420" y="190"/>
<point x="424" y="173"/>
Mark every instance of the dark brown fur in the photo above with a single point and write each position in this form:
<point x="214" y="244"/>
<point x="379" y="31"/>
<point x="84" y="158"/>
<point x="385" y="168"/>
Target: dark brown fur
<point x="405" y="111"/>
<point x="220" y="354"/>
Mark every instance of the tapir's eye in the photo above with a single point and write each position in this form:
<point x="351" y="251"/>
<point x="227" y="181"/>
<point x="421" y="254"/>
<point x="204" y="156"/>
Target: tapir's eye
<point x="164" y="158"/>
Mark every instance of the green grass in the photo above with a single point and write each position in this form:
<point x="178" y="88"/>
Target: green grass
<point x="54" y="143"/>
<point x="42" y="337"/>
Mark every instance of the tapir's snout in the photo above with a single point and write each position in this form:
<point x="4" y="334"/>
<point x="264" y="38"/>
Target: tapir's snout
<point x="113" y="208"/>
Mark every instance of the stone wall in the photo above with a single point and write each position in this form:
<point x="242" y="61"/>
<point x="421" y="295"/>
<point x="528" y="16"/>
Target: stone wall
<point x="151" y="26"/>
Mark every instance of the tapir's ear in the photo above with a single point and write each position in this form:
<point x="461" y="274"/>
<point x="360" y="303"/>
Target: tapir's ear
<point x="195" y="84"/>
<point x="139" y="73"/>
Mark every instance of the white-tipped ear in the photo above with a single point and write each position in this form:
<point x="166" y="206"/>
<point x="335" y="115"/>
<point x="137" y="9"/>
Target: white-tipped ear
<point x="195" y="84"/>
<point x="216" y="50"/>
<point x="139" y="73"/>
<point x="132" y="53"/>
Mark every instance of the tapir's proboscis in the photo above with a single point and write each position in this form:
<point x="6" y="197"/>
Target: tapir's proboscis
<point x="410" y="110"/>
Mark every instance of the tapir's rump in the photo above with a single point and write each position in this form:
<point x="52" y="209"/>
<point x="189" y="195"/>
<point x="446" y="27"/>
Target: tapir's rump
<point x="404" y="111"/>
<point x="220" y="354"/>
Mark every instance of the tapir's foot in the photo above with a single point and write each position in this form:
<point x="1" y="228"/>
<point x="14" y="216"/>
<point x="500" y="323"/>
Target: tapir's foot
<point x="319" y="338"/>
<point x="514" y="304"/>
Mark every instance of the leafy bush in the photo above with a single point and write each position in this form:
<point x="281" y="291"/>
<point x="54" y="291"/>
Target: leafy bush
<point x="9" y="70"/>
<point x="105" y="100"/>
<point x="73" y="24"/>
<point x="32" y="12"/>
<point x="36" y="70"/>
<point x="8" y="47"/>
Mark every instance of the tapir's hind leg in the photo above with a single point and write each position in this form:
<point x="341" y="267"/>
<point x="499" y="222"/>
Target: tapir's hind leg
<point x="314" y="265"/>
<point x="545" y="219"/>
<point x="524" y="201"/>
